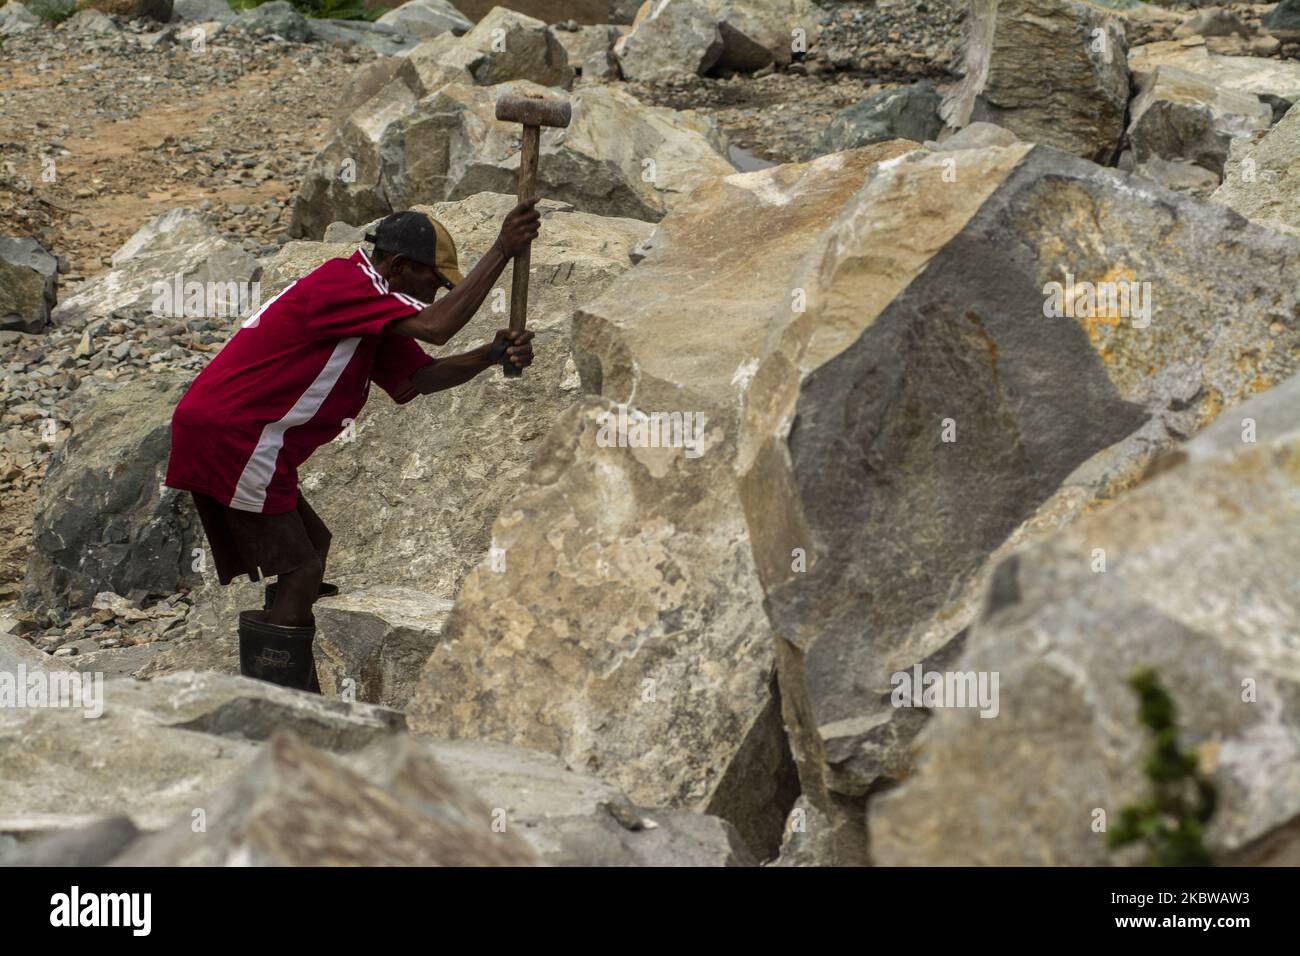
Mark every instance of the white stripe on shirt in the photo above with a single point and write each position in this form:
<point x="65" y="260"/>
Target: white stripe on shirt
<point x="250" y="492"/>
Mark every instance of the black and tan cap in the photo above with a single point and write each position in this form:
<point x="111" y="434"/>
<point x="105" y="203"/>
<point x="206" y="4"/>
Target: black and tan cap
<point x="417" y="236"/>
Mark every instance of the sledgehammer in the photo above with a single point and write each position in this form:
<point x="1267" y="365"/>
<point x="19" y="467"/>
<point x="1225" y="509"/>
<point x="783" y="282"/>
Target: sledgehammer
<point x="534" y="112"/>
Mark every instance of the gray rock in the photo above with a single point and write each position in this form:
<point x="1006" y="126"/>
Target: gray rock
<point x="278" y="17"/>
<point x="911" y="112"/>
<point x="1283" y="21"/>
<point x="160" y="747"/>
<point x="14" y="651"/>
<point x="90" y="23"/>
<point x="623" y="11"/>
<point x="16" y="18"/>
<point x="92" y="845"/>
<point x="678" y="36"/>
<point x="103" y="521"/>
<point x="203" y="11"/>
<point x="1198" y="586"/>
<point x="898" y="518"/>
<point x="1261" y="179"/>
<point x="398" y="151"/>
<point x="427" y="18"/>
<point x="298" y="806"/>
<point x="1261" y="76"/>
<point x="587" y="41"/>
<point x="374" y="641"/>
<point x="1178" y="115"/>
<point x="383" y="39"/>
<point x="974" y="136"/>
<point x="1215" y="22"/>
<point x="1181" y="176"/>
<point x="807" y="840"/>
<point x="1006" y="44"/>
<point x="601" y="66"/>
<point x="501" y="47"/>
<point x="569" y="819"/>
<point x="178" y="244"/>
<point x="759" y="33"/>
<point x="28" y="284"/>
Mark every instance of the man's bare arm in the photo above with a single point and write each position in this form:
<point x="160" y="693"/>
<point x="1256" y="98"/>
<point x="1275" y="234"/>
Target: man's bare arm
<point x="442" y="319"/>
<point x="458" y="369"/>
<point x="452" y="371"/>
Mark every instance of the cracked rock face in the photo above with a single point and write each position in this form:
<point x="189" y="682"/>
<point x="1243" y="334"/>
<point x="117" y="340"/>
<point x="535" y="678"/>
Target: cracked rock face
<point x="622" y="628"/>
<point x="1260" y="179"/>
<point x="923" y="411"/>
<point x="1199" y="585"/>
<point x="1007" y="42"/>
<point x="1181" y="116"/>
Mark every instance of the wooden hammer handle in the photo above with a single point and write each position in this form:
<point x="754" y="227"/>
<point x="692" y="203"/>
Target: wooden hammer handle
<point x="527" y="186"/>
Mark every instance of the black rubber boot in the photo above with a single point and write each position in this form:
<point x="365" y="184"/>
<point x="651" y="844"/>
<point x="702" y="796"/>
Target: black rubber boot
<point x="326" y="590"/>
<point x="276" y="653"/>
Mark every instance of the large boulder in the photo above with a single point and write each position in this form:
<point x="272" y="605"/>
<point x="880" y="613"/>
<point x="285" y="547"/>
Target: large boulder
<point x="103" y="520"/>
<point x="618" y="622"/>
<point x="1261" y="179"/>
<point x="16" y="18"/>
<point x="909" y="112"/>
<point x="1198" y="584"/>
<point x="931" y="402"/>
<point x="569" y="819"/>
<point x="372" y="642"/>
<point x="616" y="158"/>
<point x="28" y="284"/>
<point x="298" y="806"/>
<point x="176" y="246"/>
<point x="427" y="18"/>
<point x="1080" y="110"/>
<point x="503" y="46"/>
<point x="278" y="17"/>
<point x="676" y="36"/>
<point x="1283" y="21"/>
<point x="158" y="748"/>
<point x="702" y="36"/>
<point x="1178" y="115"/>
<point x="380" y="37"/>
<point x="759" y="33"/>
<point x="412" y="492"/>
<point x="1269" y="79"/>
<point x="588" y="41"/>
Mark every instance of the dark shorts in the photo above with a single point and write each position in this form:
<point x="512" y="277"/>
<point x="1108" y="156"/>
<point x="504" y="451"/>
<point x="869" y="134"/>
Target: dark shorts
<point x="247" y="542"/>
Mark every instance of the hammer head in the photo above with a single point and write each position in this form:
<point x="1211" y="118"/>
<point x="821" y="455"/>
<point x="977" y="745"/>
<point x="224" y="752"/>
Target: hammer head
<point x="534" y="110"/>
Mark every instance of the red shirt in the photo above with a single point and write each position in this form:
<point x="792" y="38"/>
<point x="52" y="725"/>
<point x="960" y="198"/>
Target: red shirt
<point x="287" y="380"/>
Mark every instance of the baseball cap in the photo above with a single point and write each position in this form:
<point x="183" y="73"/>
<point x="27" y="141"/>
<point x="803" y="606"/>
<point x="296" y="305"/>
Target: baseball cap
<point x="417" y="236"/>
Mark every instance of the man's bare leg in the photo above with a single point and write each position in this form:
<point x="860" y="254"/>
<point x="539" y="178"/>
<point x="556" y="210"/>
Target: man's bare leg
<point x="295" y="593"/>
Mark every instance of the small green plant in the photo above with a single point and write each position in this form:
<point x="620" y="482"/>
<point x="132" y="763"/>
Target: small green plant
<point x="52" y="11"/>
<point x="1172" y="821"/>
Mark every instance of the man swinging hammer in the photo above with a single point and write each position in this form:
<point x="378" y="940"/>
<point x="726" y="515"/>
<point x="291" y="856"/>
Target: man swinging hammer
<point x="287" y="382"/>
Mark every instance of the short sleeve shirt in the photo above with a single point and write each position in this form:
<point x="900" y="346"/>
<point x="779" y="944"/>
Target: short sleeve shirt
<point x="288" y="381"/>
